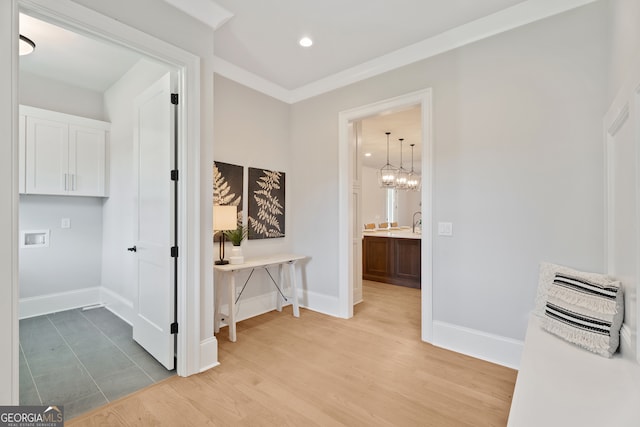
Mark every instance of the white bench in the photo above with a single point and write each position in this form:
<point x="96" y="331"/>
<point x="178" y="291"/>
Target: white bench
<point x="560" y="384"/>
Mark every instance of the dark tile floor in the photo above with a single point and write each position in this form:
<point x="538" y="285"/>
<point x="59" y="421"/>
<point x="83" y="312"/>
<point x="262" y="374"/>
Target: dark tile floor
<point x="82" y="360"/>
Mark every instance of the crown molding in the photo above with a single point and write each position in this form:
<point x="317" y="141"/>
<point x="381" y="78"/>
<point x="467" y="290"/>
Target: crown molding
<point x="518" y="15"/>
<point x="251" y="80"/>
<point x="206" y="11"/>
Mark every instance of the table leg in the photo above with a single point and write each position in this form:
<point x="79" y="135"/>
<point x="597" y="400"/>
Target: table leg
<point x="232" y="307"/>
<point x="294" y="288"/>
<point x="278" y="296"/>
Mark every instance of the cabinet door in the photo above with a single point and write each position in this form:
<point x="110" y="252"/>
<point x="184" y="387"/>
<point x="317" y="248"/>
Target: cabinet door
<point x="408" y="260"/>
<point x="47" y="147"/>
<point x="377" y="258"/>
<point x="86" y="161"/>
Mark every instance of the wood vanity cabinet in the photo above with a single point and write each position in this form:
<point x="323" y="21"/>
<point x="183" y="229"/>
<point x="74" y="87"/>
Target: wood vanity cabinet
<point x="391" y="260"/>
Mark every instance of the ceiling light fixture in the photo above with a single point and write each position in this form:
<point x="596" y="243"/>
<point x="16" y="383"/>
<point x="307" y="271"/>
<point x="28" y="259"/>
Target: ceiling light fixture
<point x="26" y="45"/>
<point x="305" y="42"/>
<point x="401" y="175"/>
<point x="367" y="154"/>
<point x="387" y="173"/>
<point x="414" y="180"/>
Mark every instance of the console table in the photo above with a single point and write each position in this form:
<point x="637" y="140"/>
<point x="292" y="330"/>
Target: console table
<point x="229" y="273"/>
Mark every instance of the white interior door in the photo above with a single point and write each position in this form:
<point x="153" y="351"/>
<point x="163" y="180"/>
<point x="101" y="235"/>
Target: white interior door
<point x="153" y="144"/>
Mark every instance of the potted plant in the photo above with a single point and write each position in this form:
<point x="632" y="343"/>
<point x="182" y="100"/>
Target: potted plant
<point x="236" y="237"/>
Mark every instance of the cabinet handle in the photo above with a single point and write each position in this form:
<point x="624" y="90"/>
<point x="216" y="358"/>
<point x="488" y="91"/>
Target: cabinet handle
<point x="73" y="182"/>
<point x="132" y="249"/>
<point x="66" y="179"/>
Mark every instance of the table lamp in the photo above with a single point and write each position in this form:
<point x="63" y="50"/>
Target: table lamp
<point x="224" y="218"/>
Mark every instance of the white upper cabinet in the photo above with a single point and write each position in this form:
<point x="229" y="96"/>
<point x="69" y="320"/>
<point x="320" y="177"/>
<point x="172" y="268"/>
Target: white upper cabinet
<point x="47" y="156"/>
<point x="63" y="154"/>
<point x="87" y="161"/>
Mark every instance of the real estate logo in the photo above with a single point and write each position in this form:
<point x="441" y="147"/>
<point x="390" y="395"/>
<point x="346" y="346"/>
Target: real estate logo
<point x="31" y="416"/>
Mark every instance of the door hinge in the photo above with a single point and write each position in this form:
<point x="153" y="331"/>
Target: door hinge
<point x="174" y="98"/>
<point x="174" y="175"/>
<point x="174" y="328"/>
<point x="174" y="252"/>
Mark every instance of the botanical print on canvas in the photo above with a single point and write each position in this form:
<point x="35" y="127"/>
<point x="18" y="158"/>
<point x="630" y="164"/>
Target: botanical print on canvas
<point x="228" y="183"/>
<point x="266" y="204"/>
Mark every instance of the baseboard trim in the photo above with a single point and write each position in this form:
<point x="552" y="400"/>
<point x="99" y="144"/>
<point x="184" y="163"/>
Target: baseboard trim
<point x="260" y="304"/>
<point x="481" y="345"/>
<point x="53" y="303"/>
<point x="247" y="308"/>
<point x="208" y="354"/>
<point x="627" y="349"/>
<point x="117" y="304"/>
<point x="320" y="303"/>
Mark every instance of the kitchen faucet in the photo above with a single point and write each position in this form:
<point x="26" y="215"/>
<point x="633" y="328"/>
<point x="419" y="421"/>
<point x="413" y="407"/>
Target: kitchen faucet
<point x="413" y="229"/>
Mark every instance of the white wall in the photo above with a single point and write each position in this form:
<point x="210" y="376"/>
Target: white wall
<point x="41" y="92"/>
<point x="252" y="130"/>
<point x="518" y="166"/>
<point x="73" y="259"/>
<point x="119" y="271"/>
<point x="624" y="16"/>
<point x="408" y="203"/>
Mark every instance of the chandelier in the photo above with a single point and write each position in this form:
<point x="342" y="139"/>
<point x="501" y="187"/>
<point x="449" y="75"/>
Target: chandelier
<point x="402" y="175"/>
<point x="414" y="179"/>
<point x="387" y="173"/>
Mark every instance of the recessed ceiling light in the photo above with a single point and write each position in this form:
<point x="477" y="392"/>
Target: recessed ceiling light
<point x="305" y="42"/>
<point x="367" y="154"/>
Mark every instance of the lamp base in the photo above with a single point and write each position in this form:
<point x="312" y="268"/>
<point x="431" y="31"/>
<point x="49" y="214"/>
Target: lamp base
<point x="222" y="262"/>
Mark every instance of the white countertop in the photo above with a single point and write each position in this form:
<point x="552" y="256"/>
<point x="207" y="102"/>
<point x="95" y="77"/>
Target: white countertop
<point x="397" y="233"/>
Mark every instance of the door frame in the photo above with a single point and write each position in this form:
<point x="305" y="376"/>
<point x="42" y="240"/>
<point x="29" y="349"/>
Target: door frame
<point x="623" y="111"/>
<point x="81" y="19"/>
<point x="9" y="356"/>
<point x="346" y="162"/>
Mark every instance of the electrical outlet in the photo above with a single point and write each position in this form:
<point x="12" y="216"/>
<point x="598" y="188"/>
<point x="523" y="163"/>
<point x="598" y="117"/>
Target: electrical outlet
<point x="65" y="223"/>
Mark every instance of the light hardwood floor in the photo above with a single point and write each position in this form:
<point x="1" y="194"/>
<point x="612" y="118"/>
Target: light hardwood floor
<point x="371" y="370"/>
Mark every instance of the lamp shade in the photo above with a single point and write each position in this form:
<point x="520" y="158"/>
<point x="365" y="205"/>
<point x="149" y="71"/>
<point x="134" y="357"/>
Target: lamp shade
<point x="225" y="217"/>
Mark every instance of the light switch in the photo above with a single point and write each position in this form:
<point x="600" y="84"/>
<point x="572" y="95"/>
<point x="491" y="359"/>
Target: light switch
<point x="445" y="229"/>
<point x="65" y="223"/>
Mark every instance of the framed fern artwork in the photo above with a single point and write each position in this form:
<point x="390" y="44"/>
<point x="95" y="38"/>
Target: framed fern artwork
<point x="266" y="204"/>
<point x="228" y="183"/>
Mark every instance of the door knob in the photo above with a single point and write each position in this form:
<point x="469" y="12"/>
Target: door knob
<point x="132" y="249"/>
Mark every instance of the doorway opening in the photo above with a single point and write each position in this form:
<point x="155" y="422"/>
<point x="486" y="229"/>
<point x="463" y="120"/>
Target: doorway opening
<point x="94" y="218"/>
<point x="389" y="216"/>
<point x="186" y="67"/>
<point x="350" y="228"/>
